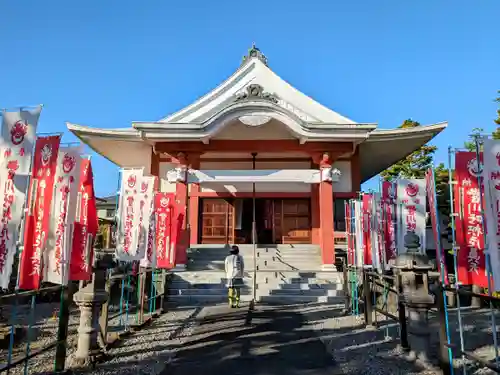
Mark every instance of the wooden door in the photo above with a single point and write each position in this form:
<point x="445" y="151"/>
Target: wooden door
<point x="217" y="224"/>
<point x="296" y="221"/>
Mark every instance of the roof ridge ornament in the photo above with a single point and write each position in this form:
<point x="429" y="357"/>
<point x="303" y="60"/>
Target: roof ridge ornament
<point x="255" y="52"/>
<point x="255" y="91"/>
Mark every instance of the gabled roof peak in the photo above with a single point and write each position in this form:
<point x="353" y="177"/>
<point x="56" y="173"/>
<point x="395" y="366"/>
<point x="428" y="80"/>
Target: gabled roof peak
<point x="255" y="52"/>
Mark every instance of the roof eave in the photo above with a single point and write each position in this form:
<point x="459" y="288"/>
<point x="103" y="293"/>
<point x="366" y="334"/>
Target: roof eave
<point x="389" y="134"/>
<point x="123" y="134"/>
<point x="423" y="133"/>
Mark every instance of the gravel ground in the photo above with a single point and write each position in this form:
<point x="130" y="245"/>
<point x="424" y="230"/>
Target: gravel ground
<point x="376" y="351"/>
<point x="44" y="333"/>
<point x="151" y="349"/>
<point x="355" y="350"/>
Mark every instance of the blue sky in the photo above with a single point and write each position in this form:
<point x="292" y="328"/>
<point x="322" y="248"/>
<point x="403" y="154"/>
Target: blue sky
<point x="107" y="63"/>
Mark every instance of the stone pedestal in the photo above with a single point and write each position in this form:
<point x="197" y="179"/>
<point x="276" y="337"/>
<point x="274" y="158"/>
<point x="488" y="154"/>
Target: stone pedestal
<point x="89" y="300"/>
<point x="419" y="338"/>
<point x="413" y="266"/>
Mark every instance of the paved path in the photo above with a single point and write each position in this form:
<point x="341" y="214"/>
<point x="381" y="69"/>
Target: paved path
<point x="267" y="341"/>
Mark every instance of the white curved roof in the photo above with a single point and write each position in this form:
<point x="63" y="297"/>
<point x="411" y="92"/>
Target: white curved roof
<point x="255" y="71"/>
<point x="255" y="91"/>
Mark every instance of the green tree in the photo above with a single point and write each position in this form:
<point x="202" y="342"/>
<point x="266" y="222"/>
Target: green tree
<point x="471" y="146"/>
<point x="415" y="164"/>
<point x="497" y="120"/>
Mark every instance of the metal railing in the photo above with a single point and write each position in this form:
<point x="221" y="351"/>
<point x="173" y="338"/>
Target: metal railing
<point x="134" y="300"/>
<point x="362" y="286"/>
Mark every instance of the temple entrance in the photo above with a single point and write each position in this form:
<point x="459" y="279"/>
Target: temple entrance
<point x="278" y="221"/>
<point x="263" y="221"/>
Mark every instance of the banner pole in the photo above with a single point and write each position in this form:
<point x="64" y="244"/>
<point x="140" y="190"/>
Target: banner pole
<point x="254" y="235"/>
<point x="19" y="248"/>
<point x="440" y="254"/>
<point x="485" y="180"/>
<point x="455" y="251"/>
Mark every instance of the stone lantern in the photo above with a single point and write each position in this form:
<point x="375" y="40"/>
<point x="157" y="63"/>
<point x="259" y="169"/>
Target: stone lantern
<point x="413" y="266"/>
<point x="89" y="300"/>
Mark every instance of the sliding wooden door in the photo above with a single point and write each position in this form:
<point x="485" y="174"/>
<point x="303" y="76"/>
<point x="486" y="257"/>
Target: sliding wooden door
<point x="292" y="221"/>
<point x="217" y="221"/>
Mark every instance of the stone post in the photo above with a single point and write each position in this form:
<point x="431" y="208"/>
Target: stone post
<point x="89" y="300"/>
<point x="413" y="267"/>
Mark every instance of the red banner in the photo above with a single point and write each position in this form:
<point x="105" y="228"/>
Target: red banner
<point x="38" y="216"/>
<point x="86" y="226"/>
<point x="349" y="237"/>
<point x="165" y="233"/>
<point x="469" y="228"/>
<point x="367" y="240"/>
<point x="431" y="198"/>
<point x="389" y="192"/>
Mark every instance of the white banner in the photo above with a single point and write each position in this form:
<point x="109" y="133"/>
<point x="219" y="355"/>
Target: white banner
<point x="492" y="205"/>
<point x="358" y="216"/>
<point x="411" y="198"/>
<point x="63" y="214"/>
<point x="146" y="239"/>
<point x="127" y="239"/>
<point x="17" y="141"/>
<point x="376" y="222"/>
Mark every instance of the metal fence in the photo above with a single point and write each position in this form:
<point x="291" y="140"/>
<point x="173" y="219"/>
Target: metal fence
<point x="41" y="325"/>
<point x="456" y="328"/>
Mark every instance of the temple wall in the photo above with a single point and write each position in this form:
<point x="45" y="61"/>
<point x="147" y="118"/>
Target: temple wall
<point x="242" y="165"/>
<point x="272" y="130"/>
<point x="285" y="187"/>
<point x="343" y="186"/>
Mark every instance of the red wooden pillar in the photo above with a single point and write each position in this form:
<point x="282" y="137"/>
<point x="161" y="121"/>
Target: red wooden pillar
<point x="194" y="202"/>
<point x="315" y="207"/>
<point x="155" y="169"/>
<point x="181" y="201"/>
<point x="326" y="214"/>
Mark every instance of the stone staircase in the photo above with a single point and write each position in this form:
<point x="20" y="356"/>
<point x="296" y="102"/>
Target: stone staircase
<point x="286" y="274"/>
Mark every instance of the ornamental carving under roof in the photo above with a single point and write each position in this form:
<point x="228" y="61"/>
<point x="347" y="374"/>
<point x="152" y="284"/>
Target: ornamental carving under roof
<point x="255" y="91"/>
<point x="255" y="52"/>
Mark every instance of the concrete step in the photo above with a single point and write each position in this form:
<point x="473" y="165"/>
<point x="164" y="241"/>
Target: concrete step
<point x="198" y="299"/>
<point x="206" y="292"/>
<point x="306" y="293"/>
<point x="302" y="258"/>
<point x="291" y="299"/>
<point x="244" y="247"/>
<point x="262" y="277"/>
<point x="249" y="259"/>
<point x="306" y="286"/>
<point x="267" y="299"/>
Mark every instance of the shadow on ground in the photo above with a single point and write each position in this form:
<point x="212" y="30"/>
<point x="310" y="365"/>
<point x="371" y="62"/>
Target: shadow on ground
<point x="268" y="341"/>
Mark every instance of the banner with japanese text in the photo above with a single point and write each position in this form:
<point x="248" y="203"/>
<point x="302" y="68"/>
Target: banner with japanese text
<point x="491" y="174"/>
<point x="469" y="223"/>
<point x="127" y="241"/>
<point x="146" y="221"/>
<point x="349" y="233"/>
<point x="376" y="232"/>
<point x="390" y="219"/>
<point x="436" y="228"/>
<point x="367" y="229"/>
<point x="60" y="236"/>
<point x="86" y="225"/>
<point x="358" y="231"/>
<point x="411" y="199"/>
<point x="165" y="237"/>
<point x="37" y="219"/>
<point x="16" y="149"/>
